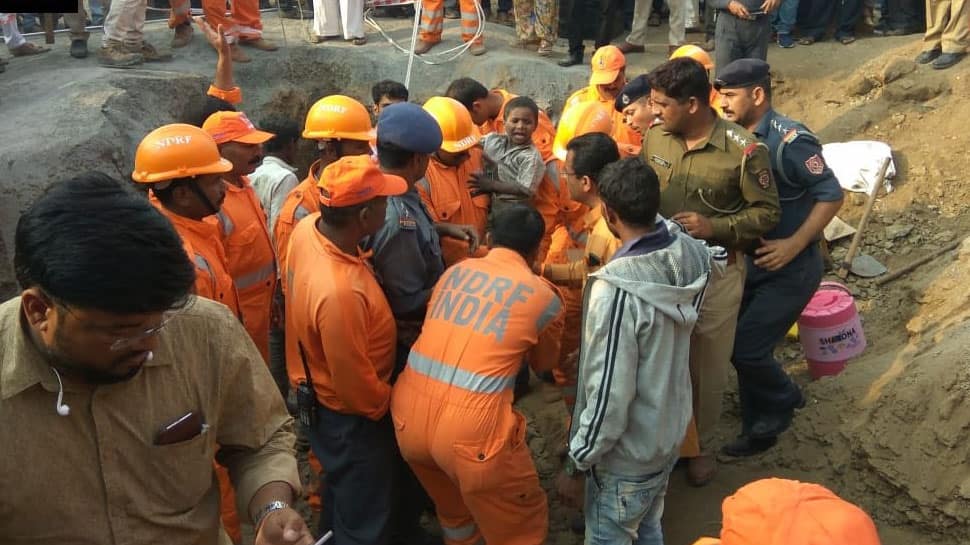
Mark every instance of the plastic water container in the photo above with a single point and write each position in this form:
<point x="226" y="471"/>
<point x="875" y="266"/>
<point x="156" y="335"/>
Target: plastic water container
<point x="830" y="330"/>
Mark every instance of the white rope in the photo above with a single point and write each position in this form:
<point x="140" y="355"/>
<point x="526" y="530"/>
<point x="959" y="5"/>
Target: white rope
<point x="445" y="56"/>
<point x="418" y="7"/>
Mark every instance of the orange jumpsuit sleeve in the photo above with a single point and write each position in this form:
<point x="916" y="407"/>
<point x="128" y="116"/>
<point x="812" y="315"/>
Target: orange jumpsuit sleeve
<point x="571" y="274"/>
<point x="232" y="96"/>
<point x="545" y="354"/>
<point x="353" y="374"/>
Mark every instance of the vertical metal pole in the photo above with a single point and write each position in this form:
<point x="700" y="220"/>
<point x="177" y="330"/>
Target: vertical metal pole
<point x="418" y="4"/>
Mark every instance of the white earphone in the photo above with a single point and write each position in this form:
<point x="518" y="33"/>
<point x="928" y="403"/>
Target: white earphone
<point x="62" y="408"/>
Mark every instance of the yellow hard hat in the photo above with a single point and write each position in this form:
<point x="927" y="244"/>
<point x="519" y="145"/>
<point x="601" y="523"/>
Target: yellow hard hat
<point x="695" y="53"/>
<point x="338" y="117"/>
<point x="580" y="119"/>
<point x="177" y="151"/>
<point x="458" y="132"/>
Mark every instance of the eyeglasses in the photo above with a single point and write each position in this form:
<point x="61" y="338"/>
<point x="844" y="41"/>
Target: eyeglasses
<point x="124" y="342"/>
<point x="120" y="343"/>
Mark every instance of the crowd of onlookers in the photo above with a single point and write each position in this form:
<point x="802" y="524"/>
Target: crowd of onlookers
<point x="732" y="28"/>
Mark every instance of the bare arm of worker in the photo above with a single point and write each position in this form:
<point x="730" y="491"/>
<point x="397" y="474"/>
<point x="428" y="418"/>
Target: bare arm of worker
<point x="223" y="86"/>
<point x="480" y="183"/>
<point x="607" y="374"/>
<point x="545" y="354"/>
<point x="762" y="212"/>
<point x="466" y="233"/>
<point x="253" y="429"/>
<point x="354" y="375"/>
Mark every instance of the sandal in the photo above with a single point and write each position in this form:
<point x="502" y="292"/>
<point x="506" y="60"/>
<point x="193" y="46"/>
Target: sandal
<point x="28" y="49"/>
<point x="846" y="40"/>
<point x="806" y="40"/>
<point x="359" y="41"/>
<point x="545" y="49"/>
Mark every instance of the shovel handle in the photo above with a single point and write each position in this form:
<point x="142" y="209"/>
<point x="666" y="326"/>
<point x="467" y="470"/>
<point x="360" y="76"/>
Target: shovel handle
<point x="860" y="230"/>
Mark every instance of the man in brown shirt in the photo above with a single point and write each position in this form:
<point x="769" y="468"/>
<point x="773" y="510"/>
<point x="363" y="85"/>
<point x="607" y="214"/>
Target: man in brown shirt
<point x="119" y="388"/>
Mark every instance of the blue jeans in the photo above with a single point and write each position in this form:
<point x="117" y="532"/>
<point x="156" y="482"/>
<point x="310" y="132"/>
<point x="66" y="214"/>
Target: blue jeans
<point x="783" y="20"/>
<point x="625" y="510"/>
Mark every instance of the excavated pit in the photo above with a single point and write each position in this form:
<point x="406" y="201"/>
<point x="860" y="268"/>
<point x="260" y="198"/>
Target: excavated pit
<point x="63" y="116"/>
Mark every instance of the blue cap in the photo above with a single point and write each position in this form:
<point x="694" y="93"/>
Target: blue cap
<point x="634" y="90"/>
<point x="742" y="73"/>
<point x="408" y="126"/>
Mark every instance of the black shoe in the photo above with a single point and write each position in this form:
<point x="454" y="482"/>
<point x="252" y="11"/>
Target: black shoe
<point x="79" y="49"/>
<point x="927" y="57"/>
<point x="947" y="60"/>
<point x="770" y="425"/>
<point x="745" y="446"/>
<point x="571" y="60"/>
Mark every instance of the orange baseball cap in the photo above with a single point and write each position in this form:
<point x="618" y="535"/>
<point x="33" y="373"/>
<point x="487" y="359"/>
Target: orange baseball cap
<point x="355" y="179"/>
<point x="786" y="512"/>
<point x="607" y="63"/>
<point x="234" y="127"/>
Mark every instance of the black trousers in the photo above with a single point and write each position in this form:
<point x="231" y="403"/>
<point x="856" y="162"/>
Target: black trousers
<point x="361" y="476"/>
<point x="814" y="17"/>
<point x="906" y="14"/>
<point x="771" y="303"/>
<point x="600" y="20"/>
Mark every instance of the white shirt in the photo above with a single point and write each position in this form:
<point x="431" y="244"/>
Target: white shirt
<point x="273" y="180"/>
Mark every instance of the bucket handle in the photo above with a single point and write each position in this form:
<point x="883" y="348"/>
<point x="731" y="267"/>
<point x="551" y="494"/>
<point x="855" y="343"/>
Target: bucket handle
<point x="836" y="285"/>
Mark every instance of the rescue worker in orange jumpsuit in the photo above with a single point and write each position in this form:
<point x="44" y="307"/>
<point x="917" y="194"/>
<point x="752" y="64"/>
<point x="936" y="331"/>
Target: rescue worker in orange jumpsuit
<point x="341" y="127"/>
<point x="243" y="222"/>
<point x="340" y="338"/>
<point x="432" y="24"/>
<point x="606" y="82"/>
<point x="406" y="256"/>
<point x="568" y="242"/>
<point x="452" y="405"/>
<point x="182" y="167"/>
<point x="487" y="108"/>
<point x="444" y="190"/>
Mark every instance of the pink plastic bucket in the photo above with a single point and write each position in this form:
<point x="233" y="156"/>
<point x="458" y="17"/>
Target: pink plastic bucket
<point x="830" y="330"/>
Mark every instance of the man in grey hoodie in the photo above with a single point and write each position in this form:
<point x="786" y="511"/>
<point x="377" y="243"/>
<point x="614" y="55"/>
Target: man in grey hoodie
<point x="634" y="397"/>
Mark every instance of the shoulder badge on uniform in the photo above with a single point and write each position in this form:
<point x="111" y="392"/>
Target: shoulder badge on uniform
<point x="406" y="222"/>
<point x="660" y="161"/>
<point x="764" y="178"/>
<point x="815" y="164"/>
<point x="790" y="136"/>
<point x="740" y="140"/>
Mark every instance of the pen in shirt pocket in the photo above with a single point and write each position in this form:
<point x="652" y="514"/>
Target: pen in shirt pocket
<point x="188" y="426"/>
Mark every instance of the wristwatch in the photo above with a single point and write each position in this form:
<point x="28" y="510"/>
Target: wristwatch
<point x="269" y="508"/>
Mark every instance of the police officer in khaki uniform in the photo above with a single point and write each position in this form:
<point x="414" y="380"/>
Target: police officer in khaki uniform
<point x="786" y="267"/>
<point x="716" y="182"/>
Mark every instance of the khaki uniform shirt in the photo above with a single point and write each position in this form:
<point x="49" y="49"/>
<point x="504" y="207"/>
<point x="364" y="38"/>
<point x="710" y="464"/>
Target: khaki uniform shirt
<point x="726" y="178"/>
<point x="96" y="477"/>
